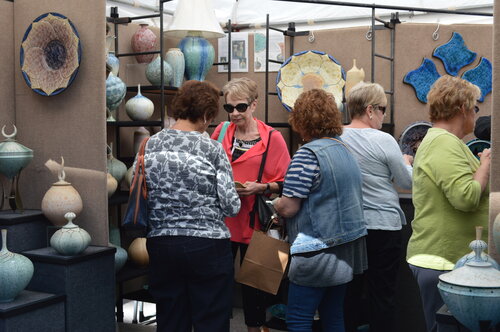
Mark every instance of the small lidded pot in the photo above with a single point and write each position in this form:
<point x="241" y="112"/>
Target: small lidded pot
<point x="70" y="240"/>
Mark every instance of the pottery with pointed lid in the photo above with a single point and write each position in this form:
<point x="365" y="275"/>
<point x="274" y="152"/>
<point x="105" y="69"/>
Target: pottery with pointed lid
<point x="13" y="155"/>
<point x="60" y="199"/>
<point x="71" y="239"/>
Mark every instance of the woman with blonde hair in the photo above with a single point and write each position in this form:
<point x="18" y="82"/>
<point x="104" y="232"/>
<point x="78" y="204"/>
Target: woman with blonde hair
<point x="323" y="206"/>
<point x="450" y="189"/>
<point x="381" y="163"/>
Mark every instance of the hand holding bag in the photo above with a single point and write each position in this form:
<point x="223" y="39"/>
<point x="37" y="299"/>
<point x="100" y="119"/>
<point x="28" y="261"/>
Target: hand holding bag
<point x="136" y="215"/>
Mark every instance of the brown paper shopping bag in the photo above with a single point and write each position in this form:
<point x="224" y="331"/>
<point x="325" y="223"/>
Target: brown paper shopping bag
<point x="264" y="263"/>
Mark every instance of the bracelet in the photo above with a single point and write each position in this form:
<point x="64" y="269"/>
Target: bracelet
<point x="268" y="189"/>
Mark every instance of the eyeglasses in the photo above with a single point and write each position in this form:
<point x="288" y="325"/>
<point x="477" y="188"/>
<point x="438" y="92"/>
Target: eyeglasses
<point x="476" y="109"/>
<point x="382" y="108"/>
<point x="240" y="107"/>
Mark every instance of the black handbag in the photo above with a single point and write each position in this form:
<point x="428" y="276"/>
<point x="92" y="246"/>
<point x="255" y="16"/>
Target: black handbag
<point x="136" y="215"/>
<point x="260" y="207"/>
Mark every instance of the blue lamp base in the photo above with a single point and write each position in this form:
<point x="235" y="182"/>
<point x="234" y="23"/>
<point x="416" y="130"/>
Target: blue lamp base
<point x="199" y="57"/>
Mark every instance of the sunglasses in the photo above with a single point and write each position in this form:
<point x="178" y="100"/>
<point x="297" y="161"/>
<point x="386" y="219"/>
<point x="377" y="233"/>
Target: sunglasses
<point x="382" y="109"/>
<point x="476" y="109"/>
<point x="240" y="107"/>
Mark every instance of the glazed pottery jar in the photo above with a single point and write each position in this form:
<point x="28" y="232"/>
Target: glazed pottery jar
<point x="13" y="156"/>
<point x="175" y="58"/>
<point x="153" y="72"/>
<point x="472" y="292"/>
<point x="138" y="252"/>
<point x="121" y="257"/>
<point x="139" y="135"/>
<point x="60" y="199"/>
<point x="113" y="62"/>
<point x="15" y="272"/>
<point x="139" y="108"/>
<point x="129" y="175"/>
<point x="111" y="183"/>
<point x="115" y="91"/>
<point x="199" y="56"/>
<point x="116" y="167"/>
<point x="71" y="239"/>
<point x="143" y="40"/>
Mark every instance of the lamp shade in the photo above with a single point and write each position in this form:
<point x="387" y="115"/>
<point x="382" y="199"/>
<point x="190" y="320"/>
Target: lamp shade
<point x="195" y="16"/>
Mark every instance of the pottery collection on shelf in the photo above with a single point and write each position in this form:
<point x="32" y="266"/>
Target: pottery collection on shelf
<point x="143" y="40"/>
<point x="60" y="199"/>
<point x="71" y="239"/>
<point x="175" y="58"/>
<point x="139" y="108"/>
<point x="16" y="272"/>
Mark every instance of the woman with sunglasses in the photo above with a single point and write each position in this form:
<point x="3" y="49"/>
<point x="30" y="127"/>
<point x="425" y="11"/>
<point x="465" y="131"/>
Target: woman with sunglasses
<point x="381" y="163"/>
<point x="450" y="191"/>
<point x="245" y="140"/>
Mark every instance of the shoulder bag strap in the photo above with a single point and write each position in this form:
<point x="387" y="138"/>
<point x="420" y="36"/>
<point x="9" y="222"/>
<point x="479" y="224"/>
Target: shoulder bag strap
<point x="223" y="130"/>
<point x="140" y="171"/>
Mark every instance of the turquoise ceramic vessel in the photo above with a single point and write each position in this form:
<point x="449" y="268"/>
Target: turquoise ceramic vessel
<point x="115" y="91"/>
<point x="153" y="72"/>
<point x="13" y="156"/>
<point x="116" y="167"/>
<point x="199" y="56"/>
<point x="113" y="62"/>
<point x="175" y="59"/>
<point x="15" y="272"/>
<point x="70" y="240"/>
<point x="121" y="257"/>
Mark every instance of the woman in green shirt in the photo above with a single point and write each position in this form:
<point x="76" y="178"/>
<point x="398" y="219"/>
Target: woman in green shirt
<point x="450" y="191"/>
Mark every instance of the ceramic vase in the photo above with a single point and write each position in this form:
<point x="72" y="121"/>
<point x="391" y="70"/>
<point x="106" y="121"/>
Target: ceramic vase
<point x="60" y="199"/>
<point x="13" y="155"/>
<point x="115" y="91"/>
<point x="71" y="239"/>
<point x="138" y="253"/>
<point x="116" y="167"/>
<point x="121" y="257"/>
<point x="353" y="77"/>
<point x="143" y="40"/>
<point x="139" y="108"/>
<point x="175" y="58"/>
<point x="15" y="272"/>
<point x="496" y="232"/>
<point x="139" y="135"/>
<point x="128" y="176"/>
<point x="113" y="62"/>
<point x="111" y="184"/>
<point x="199" y="57"/>
<point x="153" y="72"/>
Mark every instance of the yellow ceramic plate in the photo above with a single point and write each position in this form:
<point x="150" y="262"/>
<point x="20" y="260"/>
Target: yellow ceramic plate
<point x="309" y="70"/>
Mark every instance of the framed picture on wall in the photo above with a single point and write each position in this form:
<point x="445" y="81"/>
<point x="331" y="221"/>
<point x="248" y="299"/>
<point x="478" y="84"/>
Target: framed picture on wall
<point x="239" y="52"/>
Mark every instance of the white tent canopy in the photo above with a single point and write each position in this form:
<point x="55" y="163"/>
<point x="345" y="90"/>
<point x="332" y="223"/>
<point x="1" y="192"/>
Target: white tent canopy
<point x="252" y="13"/>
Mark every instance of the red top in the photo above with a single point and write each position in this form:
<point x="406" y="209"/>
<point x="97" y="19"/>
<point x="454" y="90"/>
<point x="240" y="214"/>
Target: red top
<point x="246" y="168"/>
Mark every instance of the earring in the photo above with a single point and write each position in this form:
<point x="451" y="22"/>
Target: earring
<point x="371" y="116"/>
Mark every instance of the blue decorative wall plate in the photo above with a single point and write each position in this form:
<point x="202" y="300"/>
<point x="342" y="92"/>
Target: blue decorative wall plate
<point x="481" y="76"/>
<point x="422" y="78"/>
<point x="454" y="54"/>
<point x="50" y="54"/>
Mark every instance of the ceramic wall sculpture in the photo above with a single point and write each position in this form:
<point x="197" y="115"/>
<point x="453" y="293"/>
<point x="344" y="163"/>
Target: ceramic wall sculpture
<point x="308" y="70"/>
<point x="482" y="76"/>
<point x="13" y="158"/>
<point x="138" y="252"/>
<point x="113" y="62"/>
<point x="60" y="199"/>
<point x="153" y="72"/>
<point x="15" y="272"/>
<point x="175" y="58"/>
<point x="353" y="77"/>
<point x="51" y="52"/>
<point x="139" y="108"/>
<point x="454" y="54"/>
<point x="115" y="167"/>
<point x="199" y="57"/>
<point x="71" y="239"/>
<point x="422" y="78"/>
<point x="143" y="40"/>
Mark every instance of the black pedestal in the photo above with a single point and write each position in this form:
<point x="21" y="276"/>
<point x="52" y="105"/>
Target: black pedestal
<point x="87" y="280"/>
<point x="33" y="311"/>
<point x="26" y="230"/>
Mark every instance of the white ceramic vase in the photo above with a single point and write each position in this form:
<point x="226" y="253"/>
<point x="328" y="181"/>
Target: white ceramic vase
<point x="139" y="108"/>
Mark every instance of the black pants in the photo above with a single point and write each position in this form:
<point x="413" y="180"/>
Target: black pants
<point x="378" y="283"/>
<point x="254" y="300"/>
<point x="191" y="280"/>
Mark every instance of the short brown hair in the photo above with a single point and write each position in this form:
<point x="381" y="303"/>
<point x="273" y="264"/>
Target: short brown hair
<point x="447" y="96"/>
<point x="196" y="100"/>
<point x="315" y="114"/>
<point x="241" y="88"/>
<point x="362" y="95"/>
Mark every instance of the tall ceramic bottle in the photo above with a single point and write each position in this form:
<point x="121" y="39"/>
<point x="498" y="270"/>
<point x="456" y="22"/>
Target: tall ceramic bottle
<point x="175" y="58"/>
<point x="15" y="272"/>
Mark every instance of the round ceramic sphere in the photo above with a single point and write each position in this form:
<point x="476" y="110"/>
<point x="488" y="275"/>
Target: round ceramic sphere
<point x="138" y="253"/>
<point x="139" y="108"/>
<point x="60" y="199"/>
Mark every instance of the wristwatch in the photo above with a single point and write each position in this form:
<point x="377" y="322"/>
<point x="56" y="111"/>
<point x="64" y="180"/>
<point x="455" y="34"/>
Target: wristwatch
<point x="268" y="189"/>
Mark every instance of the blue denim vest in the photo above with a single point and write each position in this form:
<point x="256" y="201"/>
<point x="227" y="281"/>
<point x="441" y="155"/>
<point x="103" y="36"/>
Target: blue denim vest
<point x="333" y="213"/>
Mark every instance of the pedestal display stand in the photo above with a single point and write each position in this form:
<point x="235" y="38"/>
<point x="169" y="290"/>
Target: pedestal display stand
<point x="33" y="311"/>
<point x="27" y="230"/>
<point x="87" y="280"/>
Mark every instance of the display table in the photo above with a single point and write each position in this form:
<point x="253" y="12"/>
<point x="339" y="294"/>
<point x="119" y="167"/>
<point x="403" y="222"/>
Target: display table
<point x="27" y="230"/>
<point x="87" y="280"/>
<point x="33" y="311"/>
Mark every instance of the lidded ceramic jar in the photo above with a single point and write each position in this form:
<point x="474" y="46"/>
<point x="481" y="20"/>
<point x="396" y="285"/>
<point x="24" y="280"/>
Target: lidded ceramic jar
<point x="71" y="239"/>
<point x="472" y="292"/>
<point x="15" y="272"/>
<point x="139" y="108"/>
<point x="60" y="199"/>
<point x="13" y="155"/>
<point x="116" y="167"/>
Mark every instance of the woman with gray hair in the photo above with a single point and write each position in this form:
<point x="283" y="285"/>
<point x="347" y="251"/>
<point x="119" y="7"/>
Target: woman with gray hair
<point x="381" y="162"/>
<point x="450" y="191"/>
